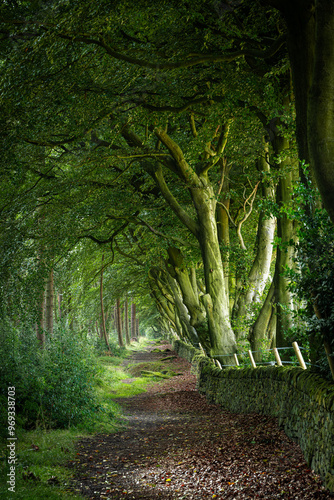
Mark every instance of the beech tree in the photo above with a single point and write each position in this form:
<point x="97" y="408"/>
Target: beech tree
<point x="114" y="123"/>
<point x="310" y="27"/>
<point x="202" y="223"/>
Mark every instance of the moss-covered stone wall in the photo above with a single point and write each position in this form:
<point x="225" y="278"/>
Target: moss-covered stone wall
<point x="302" y="401"/>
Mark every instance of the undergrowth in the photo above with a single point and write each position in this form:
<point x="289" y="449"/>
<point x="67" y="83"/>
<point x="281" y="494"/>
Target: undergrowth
<point x="42" y="453"/>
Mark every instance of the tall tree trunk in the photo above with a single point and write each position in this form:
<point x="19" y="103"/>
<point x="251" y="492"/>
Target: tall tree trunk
<point x="321" y="104"/>
<point x="49" y="303"/>
<point x="223" y="222"/>
<point x="310" y="26"/>
<point x="119" y="323"/>
<point x="40" y="332"/>
<point x="203" y="196"/>
<point x="216" y="300"/>
<point x="60" y="299"/>
<point x="103" y="321"/>
<point x="286" y="233"/>
<point x="133" y="320"/>
<point x="126" y="321"/>
<point x="187" y="328"/>
<point x="259" y="272"/>
<point x="301" y="46"/>
<point x="195" y="325"/>
<point x="261" y="333"/>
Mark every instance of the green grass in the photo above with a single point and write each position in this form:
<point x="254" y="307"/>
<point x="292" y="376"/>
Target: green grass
<point x="57" y="447"/>
<point x="154" y="366"/>
<point x="112" y="384"/>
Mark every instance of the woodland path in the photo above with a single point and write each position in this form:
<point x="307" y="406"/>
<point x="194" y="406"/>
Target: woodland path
<point x="178" y="446"/>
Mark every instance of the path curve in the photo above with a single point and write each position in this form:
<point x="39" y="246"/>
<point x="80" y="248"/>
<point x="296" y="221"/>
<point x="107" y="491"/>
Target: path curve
<point x="178" y="446"/>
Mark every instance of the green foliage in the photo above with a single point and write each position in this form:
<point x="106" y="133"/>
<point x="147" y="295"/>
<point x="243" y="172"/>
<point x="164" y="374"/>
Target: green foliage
<point x="69" y="379"/>
<point x="115" y="349"/>
<point x="55" y="386"/>
<point x="113" y="384"/>
<point x="312" y="281"/>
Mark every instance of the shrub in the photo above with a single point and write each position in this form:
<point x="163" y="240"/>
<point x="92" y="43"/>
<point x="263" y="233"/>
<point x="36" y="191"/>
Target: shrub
<point x="54" y="386"/>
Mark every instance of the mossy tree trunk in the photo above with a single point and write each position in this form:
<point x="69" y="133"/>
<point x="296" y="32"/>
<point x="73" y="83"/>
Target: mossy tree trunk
<point x="204" y="228"/>
<point x="170" y="299"/>
<point x="164" y="303"/>
<point x="262" y="332"/>
<point x="189" y="291"/>
<point x="216" y="300"/>
<point x="310" y="25"/>
<point x="223" y="223"/>
<point x="49" y="303"/>
<point x="103" y="320"/>
<point x="286" y="234"/>
<point x="259" y="272"/>
<point x="126" y="321"/>
<point x="185" y="319"/>
<point x="118" y="314"/>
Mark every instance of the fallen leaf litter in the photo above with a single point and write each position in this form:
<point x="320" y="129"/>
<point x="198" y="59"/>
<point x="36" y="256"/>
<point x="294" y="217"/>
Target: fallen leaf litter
<point x="178" y="446"/>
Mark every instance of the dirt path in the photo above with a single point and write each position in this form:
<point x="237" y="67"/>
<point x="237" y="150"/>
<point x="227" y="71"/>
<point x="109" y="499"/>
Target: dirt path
<point x="177" y="446"/>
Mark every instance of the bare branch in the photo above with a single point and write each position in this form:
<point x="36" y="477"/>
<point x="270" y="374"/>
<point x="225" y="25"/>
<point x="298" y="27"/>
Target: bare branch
<point x="188" y="221"/>
<point x="184" y="171"/>
<point x="228" y="212"/>
<point x="162" y="235"/>
<point x="249" y="201"/>
<point x="128" y="256"/>
<point x="216" y="155"/>
<point x="187" y="63"/>
<point x="192" y="125"/>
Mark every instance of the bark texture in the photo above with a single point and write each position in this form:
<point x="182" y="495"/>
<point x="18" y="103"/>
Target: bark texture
<point x="286" y="233"/>
<point x="310" y="26"/>
<point x="321" y="104"/>
<point x="118" y="314"/>
<point x="126" y="322"/>
<point x="49" y="305"/>
<point x="103" y="320"/>
<point x="261" y="333"/>
<point x="259" y="272"/>
<point x="133" y="320"/>
<point x="204" y="228"/>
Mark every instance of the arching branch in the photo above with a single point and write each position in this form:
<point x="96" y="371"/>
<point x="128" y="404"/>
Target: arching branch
<point x="186" y="63"/>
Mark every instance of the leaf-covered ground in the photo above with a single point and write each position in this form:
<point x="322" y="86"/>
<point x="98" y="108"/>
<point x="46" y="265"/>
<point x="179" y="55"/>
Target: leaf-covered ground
<point x="178" y="446"/>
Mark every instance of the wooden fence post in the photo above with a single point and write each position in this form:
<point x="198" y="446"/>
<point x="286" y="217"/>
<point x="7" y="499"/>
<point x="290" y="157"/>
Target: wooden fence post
<point x="236" y="359"/>
<point x="201" y="347"/>
<point x="252" y="359"/>
<point x="218" y="363"/>
<point x="299" y="355"/>
<point x="277" y="356"/>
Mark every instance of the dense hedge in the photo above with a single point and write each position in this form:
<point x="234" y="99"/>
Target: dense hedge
<point x="54" y="387"/>
<point x="302" y="401"/>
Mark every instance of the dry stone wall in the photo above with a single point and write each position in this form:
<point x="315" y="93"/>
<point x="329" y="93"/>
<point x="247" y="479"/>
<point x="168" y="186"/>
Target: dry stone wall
<point x="302" y="401"/>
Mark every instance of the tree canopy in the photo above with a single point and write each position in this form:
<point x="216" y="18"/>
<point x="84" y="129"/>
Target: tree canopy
<point x="166" y="136"/>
